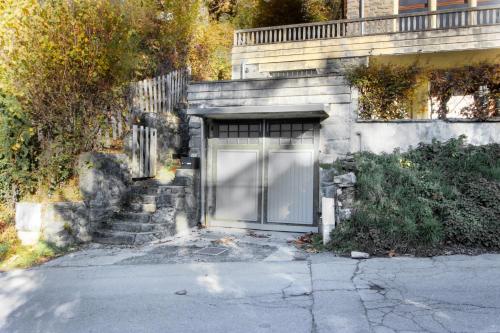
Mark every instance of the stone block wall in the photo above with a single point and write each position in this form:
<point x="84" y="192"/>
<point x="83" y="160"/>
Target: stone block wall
<point x="340" y="187"/>
<point x="372" y="8"/>
<point x="194" y="137"/>
<point x="66" y="223"/>
<point x="193" y="192"/>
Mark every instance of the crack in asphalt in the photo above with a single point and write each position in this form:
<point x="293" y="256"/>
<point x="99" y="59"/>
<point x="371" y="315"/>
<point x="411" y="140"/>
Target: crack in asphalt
<point x="391" y="309"/>
<point x="314" y="327"/>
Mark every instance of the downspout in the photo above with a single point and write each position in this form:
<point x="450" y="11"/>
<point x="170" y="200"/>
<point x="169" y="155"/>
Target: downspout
<point x="362" y="16"/>
<point x="203" y="177"/>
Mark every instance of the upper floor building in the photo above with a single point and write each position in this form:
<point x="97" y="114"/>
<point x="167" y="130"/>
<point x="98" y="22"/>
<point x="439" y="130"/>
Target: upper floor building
<point x="396" y="31"/>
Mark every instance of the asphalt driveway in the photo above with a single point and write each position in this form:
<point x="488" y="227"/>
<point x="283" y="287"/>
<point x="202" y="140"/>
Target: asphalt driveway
<point x="275" y="289"/>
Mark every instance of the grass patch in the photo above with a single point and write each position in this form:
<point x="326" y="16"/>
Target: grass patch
<point x="432" y="197"/>
<point x="8" y="237"/>
<point x="13" y="254"/>
<point x="27" y="256"/>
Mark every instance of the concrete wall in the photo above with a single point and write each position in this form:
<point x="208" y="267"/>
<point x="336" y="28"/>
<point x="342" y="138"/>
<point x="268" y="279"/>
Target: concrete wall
<point x="324" y="54"/>
<point x="381" y="137"/>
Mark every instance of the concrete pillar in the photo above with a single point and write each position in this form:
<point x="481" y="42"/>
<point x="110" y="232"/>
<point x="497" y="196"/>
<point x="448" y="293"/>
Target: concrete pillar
<point x="328" y="218"/>
<point x="395" y="11"/>
<point x="28" y="222"/>
<point x="361" y="16"/>
<point x="472" y="15"/>
<point x="433" y="8"/>
<point x="395" y="7"/>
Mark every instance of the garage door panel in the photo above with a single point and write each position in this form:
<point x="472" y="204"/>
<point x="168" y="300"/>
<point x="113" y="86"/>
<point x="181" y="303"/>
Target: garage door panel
<point x="264" y="172"/>
<point x="290" y="186"/>
<point x="237" y="185"/>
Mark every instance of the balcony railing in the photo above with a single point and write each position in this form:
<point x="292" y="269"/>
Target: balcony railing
<point x="443" y="19"/>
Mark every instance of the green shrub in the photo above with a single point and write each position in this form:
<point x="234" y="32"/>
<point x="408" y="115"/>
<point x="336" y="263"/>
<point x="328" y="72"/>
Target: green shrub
<point x="439" y="194"/>
<point x="18" y="150"/>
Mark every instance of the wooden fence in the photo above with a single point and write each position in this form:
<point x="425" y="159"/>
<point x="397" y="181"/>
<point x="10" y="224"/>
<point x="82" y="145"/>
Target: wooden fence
<point x="144" y="145"/>
<point x="160" y="94"/>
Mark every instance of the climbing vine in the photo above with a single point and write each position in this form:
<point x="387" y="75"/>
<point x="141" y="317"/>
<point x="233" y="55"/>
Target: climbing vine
<point x="385" y="91"/>
<point x="481" y="81"/>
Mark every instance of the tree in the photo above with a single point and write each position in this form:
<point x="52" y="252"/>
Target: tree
<point x="69" y="63"/>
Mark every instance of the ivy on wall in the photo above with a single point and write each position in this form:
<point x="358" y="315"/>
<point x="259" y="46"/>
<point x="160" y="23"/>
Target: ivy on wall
<point x="481" y="81"/>
<point x="387" y="92"/>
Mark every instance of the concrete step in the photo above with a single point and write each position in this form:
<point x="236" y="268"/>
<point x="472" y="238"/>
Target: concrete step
<point x="137" y="227"/>
<point x="174" y="189"/>
<point x="144" y="190"/>
<point x="115" y="238"/>
<point x="184" y="177"/>
<point x="142" y="198"/>
<point x="105" y="236"/>
<point x="127" y="216"/>
<point x="143" y="207"/>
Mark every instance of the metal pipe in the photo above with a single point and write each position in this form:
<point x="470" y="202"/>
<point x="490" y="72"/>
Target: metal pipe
<point x="203" y="159"/>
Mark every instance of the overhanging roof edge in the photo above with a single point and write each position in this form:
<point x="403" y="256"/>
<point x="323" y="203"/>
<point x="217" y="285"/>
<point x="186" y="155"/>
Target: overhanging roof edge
<point x="262" y="110"/>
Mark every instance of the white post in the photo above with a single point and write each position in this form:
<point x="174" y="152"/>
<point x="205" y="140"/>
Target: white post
<point x="362" y="16"/>
<point x="395" y="11"/>
<point x="135" y="151"/>
<point x="328" y="218"/>
<point x="472" y="14"/>
<point x="433" y="8"/>
<point x="243" y="70"/>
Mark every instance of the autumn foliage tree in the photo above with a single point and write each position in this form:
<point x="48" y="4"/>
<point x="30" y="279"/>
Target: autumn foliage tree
<point x="68" y="65"/>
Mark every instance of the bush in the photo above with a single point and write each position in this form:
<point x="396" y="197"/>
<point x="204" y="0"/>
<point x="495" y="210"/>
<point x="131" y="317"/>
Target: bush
<point x="18" y="151"/>
<point x="439" y="194"/>
<point x="66" y="67"/>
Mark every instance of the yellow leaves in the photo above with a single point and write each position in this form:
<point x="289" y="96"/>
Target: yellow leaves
<point x="16" y="147"/>
<point x="406" y="164"/>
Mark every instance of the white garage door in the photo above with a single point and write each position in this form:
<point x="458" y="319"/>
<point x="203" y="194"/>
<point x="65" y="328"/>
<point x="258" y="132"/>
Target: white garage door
<point x="264" y="172"/>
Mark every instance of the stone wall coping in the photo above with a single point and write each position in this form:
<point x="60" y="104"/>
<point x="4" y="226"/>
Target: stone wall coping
<point x="451" y="120"/>
<point x="263" y="79"/>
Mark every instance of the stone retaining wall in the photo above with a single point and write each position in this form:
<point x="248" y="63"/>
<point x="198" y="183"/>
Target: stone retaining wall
<point x="104" y="184"/>
<point x="59" y="223"/>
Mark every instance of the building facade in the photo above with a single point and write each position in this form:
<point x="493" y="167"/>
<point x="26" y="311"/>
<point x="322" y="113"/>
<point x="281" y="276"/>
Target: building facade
<point x="267" y="137"/>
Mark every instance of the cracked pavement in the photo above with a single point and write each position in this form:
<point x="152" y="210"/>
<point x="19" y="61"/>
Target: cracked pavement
<point x="157" y="289"/>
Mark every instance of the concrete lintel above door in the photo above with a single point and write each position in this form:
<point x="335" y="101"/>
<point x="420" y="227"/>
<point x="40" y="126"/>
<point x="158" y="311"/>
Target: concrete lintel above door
<point x="261" y="112"/>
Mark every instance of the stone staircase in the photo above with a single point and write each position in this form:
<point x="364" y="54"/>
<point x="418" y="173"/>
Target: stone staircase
<point x="151" y="211"/>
